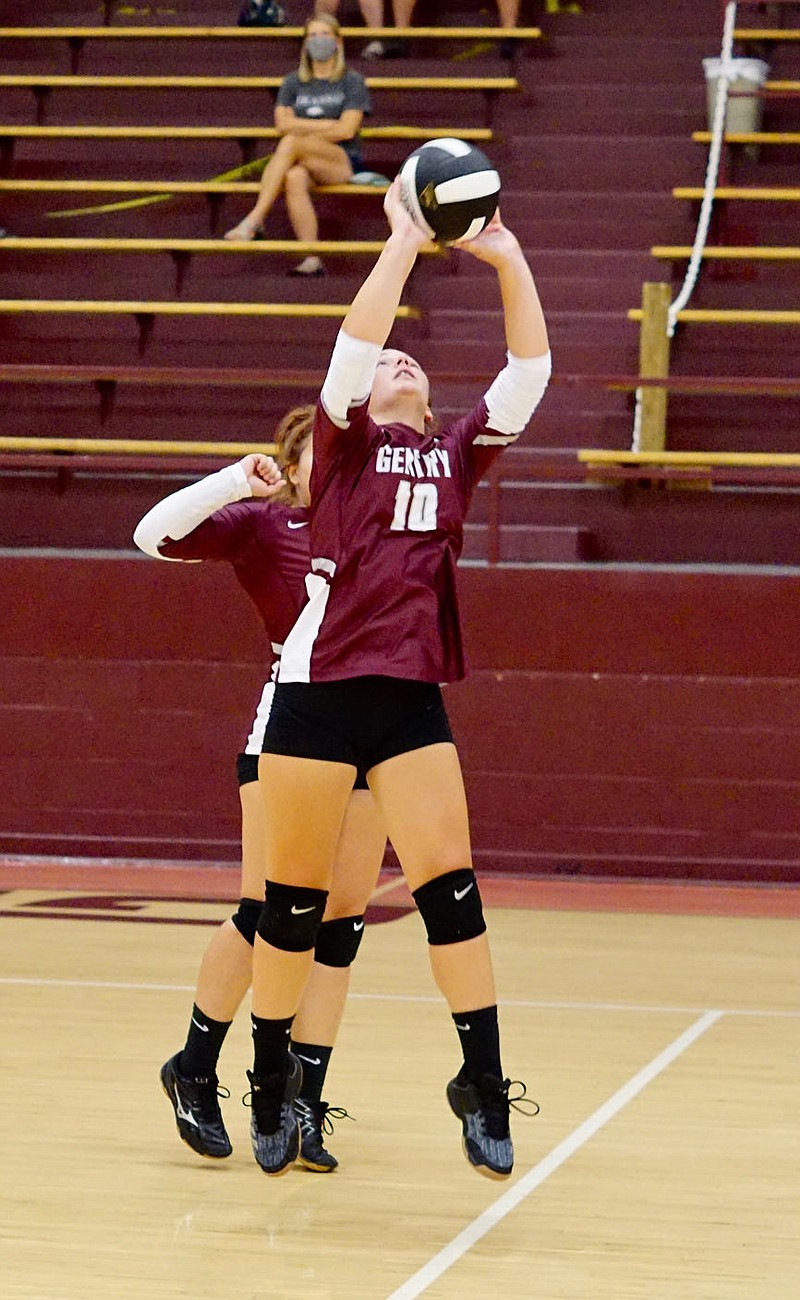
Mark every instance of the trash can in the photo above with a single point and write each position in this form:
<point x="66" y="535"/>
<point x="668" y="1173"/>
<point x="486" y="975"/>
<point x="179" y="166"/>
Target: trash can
<point x="745" y="104"/>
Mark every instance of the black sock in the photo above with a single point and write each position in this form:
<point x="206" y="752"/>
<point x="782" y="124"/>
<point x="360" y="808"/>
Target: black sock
<point x="314" y="1060"/>
<point x="203" y="1045"/>
<point x="480" y="1043"/>
<point x="270" y="1045"/>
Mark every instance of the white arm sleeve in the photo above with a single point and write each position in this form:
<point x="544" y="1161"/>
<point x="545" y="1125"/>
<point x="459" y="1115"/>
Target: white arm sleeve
<point x="177" y="515"/>
<point x="514" y="395"/>
<point x="349" y="377"/>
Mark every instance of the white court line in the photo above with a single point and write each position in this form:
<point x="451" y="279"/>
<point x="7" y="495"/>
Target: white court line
<point x="479" y="1227"/>
<point x="417" y="998"/>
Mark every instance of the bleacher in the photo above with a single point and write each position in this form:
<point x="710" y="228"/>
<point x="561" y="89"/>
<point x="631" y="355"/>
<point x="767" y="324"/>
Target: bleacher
<point x="159" y="344"/>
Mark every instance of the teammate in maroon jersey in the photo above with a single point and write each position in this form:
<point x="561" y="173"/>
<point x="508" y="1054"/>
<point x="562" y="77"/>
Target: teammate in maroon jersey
<point x="265" y="538"/>
<point x="358" y="685"/>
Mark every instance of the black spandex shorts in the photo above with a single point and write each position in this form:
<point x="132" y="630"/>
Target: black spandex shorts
<point x="247" y="772"/>
<point x="361" y="720"/>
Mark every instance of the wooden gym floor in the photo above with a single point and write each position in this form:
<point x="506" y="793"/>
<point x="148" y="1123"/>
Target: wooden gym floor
<point x="657" y="1025"/>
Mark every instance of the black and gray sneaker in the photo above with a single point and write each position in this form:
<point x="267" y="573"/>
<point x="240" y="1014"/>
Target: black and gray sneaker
<point x="316" y="1118"/>
<point x="197" y="1113"/>
<point x="274" y="1130"/>
<point x="483" y="1109"/>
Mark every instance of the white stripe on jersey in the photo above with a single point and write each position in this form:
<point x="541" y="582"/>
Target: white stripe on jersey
<point x="295" y="664"/>
<point x="256" y="738"/>
<point x="494" y="439"/>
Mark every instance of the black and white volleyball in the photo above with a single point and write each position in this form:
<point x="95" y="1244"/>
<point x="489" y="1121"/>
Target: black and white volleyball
<point x="450" y="188"/>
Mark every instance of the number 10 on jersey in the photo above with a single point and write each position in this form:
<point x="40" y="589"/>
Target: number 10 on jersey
<point x="415" y="506"/>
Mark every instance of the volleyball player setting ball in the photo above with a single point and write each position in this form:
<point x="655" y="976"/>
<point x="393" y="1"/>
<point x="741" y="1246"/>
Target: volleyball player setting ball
<point x="450" y="189"/>
<point x="360" y="674"/>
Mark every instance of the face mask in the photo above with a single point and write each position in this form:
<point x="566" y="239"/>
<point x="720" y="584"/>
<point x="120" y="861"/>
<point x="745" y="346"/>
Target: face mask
<point x="320" y="48"/>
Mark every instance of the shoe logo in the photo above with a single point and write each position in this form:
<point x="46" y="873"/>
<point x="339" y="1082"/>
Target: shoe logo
<point x="312" y="1060"/>
<point x="204" y="1028"/>
<point x="463" y="1028"/>
<point x="458" y="894"/>
<point x="298" y="911"/>
<point x="184" y="1114"/>
<point x="290" y="523"/>
<point x="358" y="925"/>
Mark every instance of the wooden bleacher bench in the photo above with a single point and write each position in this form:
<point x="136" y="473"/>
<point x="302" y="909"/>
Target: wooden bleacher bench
<point x="138" y="132"/>
<point x="134" y="82"/>
<point x="751" y="253"/>
<point x="41" y="85"/>
<point x="134" y="447"/>
<point x="245" y="136"/>
<point x="76" y="37"/>
<point x="167" y="187"/>
<point x="105" y="307"/>
<point x="750" y="137"/>
<point x="727" y="316"/>
<point x="182" y="250"/>
<point x="106" y="379"/>
<point x="754" y="193"/>
<point x="144" y="313"/>
<point x="781" y="88"/>
<point x="766" y="34"/>
<point x="113" y="244"/>
<point x="692" y="468"/>
<point x="214" y="192"/>
<point x="264" y="33"/>
<point x="732" y="385"/>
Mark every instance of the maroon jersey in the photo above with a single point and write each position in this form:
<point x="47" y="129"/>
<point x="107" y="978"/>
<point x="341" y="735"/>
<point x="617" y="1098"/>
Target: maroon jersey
<point x="266" y="542"/>
<point x="387" y="518"/>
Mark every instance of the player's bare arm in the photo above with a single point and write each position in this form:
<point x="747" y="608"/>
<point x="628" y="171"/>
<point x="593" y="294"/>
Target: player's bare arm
<point x="371" y="315"/>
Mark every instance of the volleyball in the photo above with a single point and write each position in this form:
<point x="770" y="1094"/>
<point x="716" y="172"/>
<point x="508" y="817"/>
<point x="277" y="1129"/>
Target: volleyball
<point x="450" y="189"/>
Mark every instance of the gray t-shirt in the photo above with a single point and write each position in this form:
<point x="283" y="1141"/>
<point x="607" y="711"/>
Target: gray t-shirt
<point x="324" y="99"/>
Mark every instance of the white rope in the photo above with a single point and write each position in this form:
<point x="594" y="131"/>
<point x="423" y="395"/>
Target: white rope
<point x="727" y="74"/>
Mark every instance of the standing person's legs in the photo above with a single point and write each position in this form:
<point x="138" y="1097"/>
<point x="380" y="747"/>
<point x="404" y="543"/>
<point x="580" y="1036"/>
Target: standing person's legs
<point x="309" y="799"/>
<point x="421" y="796"/>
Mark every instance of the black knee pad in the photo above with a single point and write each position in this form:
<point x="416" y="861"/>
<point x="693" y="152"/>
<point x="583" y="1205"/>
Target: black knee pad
<point x="338" y="941"/>
<point x="451" y="907"/>
<point x="245" y="918"/>
<point x="246" y="768"/>
<point x="291" y="916"/>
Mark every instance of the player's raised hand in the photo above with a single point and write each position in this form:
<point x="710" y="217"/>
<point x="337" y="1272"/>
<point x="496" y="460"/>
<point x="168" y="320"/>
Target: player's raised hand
<point x="400" y="219"/>
<point x="263" y="474"/>
<point x="495" y="244"/>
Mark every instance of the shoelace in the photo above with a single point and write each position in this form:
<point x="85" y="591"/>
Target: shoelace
<point x="522" y="1103"/>
<point x="495" y="1108"/>
<point x="207" y="1094"/>
<point x="319" y="1116"/>
<point x="331" y="1113"/>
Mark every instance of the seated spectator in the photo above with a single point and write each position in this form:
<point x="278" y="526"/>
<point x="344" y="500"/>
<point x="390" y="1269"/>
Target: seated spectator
<point x="318" y="113"/>
<point x="372" y="13"/>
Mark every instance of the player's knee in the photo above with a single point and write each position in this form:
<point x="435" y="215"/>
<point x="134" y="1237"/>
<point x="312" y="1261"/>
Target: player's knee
<point x="246" y="918"/>
<point x="291" y="916"/>
<point x="450" y="906"/>
<point x="297" y="179"/>
<point x="338" y="941"/>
